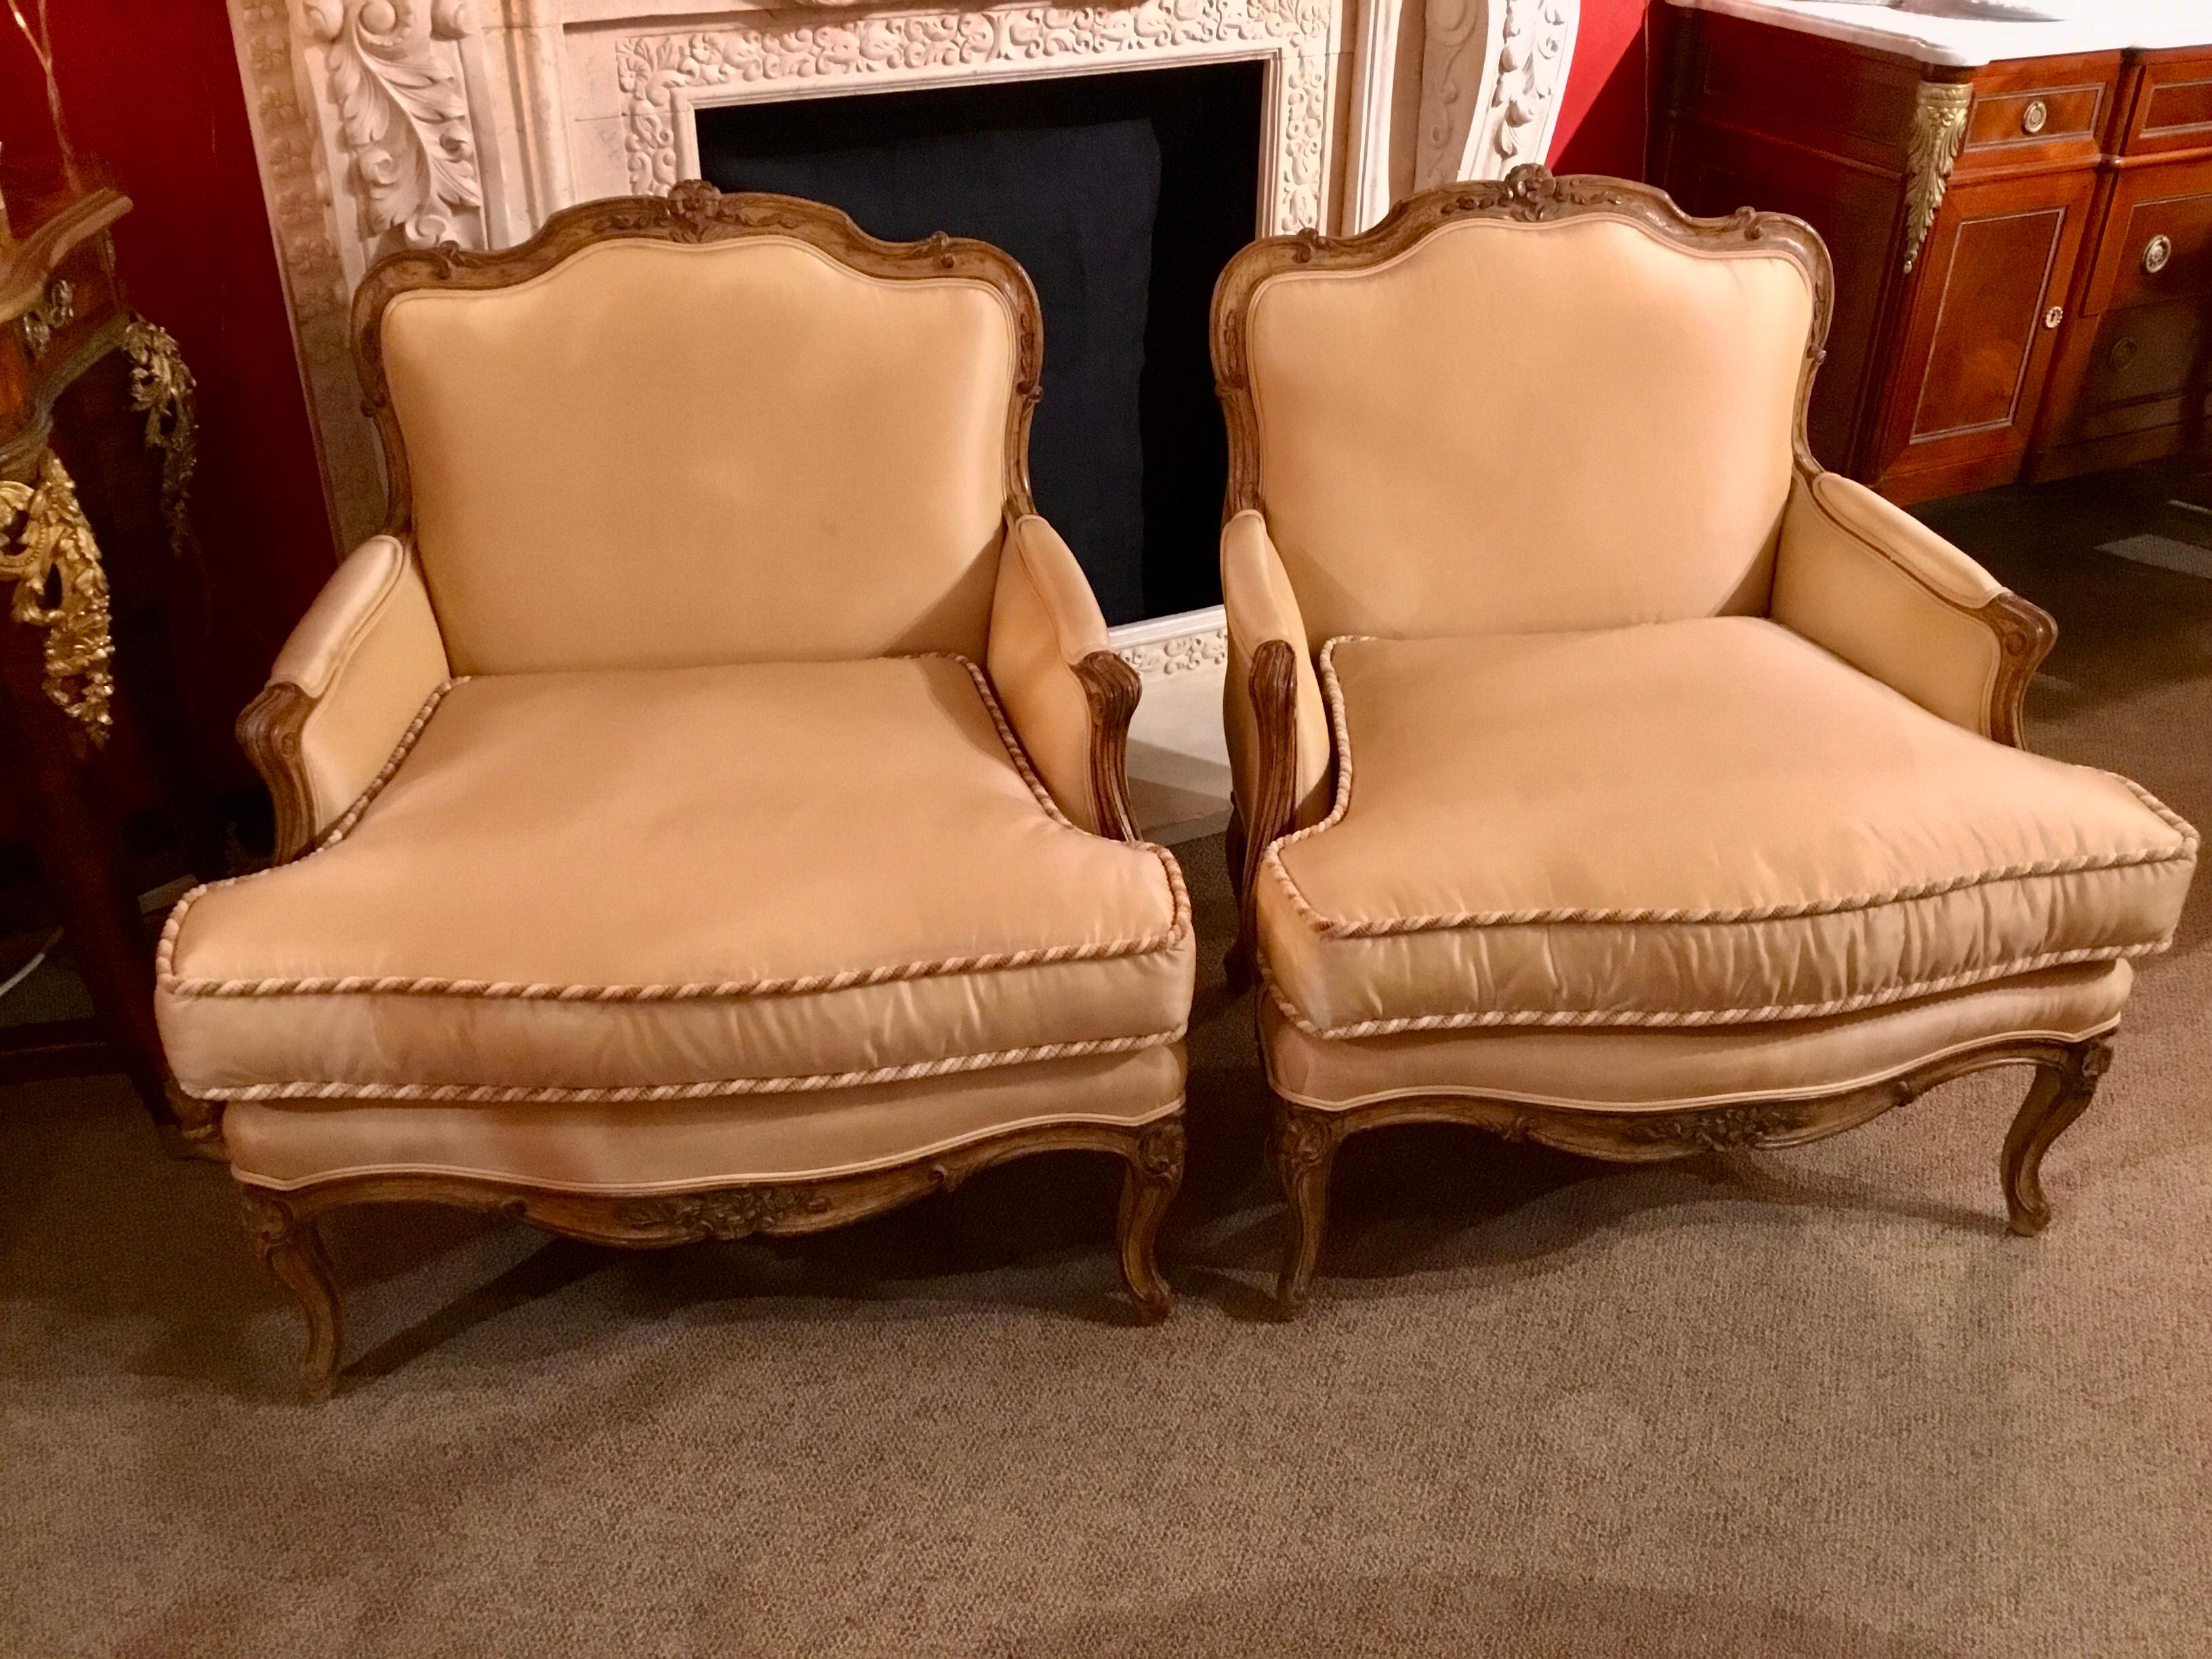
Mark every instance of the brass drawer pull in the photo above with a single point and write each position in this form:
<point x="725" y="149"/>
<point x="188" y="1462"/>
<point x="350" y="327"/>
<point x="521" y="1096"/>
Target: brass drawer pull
<point x="2156" y="252"/>
<point x="2124" y="352"/>
<point x="2055" y="316"/>
<point x="2035" y="118"/>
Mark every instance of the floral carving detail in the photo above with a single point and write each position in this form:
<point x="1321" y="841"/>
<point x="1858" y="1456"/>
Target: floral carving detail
<point x="653" y="71"/>
<point x="1306" y="1139"/>
<point x="736" y="1213"/>
<point x="1179" y="653"/>
<point x="1722" y="1128"/>
<point x="1491" y="74"/>
<point x="1160" y="1149"/>
<point x="403" y="115"/>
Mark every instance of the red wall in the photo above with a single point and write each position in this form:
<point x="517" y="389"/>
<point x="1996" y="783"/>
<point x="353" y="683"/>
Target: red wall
<point x="1602" y="113"/>
<point x="151" y="89"/>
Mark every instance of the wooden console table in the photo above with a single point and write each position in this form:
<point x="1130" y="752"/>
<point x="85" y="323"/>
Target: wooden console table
<point x="82" y="377"/>
<point x="2020" y="216"/>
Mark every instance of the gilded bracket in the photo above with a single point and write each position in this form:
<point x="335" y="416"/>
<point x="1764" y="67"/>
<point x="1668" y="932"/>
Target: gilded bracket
<point x="163" y="390"/>
<point x="58" y="309"/>
<point x="1938" y="134"/>
<point x="46" y="549"/>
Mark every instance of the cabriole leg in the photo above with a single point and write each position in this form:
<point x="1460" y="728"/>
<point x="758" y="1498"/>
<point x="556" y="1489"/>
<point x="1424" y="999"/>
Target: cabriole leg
<point x="1305" y="1149"/>
<point x="1155" y="1175"/>
<point x="291" y="1248"/>
<point x="2061" y="1093"/>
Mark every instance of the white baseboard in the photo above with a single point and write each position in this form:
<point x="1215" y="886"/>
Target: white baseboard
<point x="1178" y="761"/>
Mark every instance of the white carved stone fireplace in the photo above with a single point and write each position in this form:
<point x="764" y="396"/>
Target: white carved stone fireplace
<point x="387" y="124"/>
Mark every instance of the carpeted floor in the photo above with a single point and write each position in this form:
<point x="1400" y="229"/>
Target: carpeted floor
<point x="1811" y="1404"/>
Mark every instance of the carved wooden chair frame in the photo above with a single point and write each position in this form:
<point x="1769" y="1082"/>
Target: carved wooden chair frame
<point x="283" y="1225"/>
<point x="1306" y="1137"/>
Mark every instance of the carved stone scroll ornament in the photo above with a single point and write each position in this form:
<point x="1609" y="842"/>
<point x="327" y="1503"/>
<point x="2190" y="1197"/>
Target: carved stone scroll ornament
<point x="401" y="114"/>
<point x="46" y="550"/>
<point x="1491" y="74"/>
<point x="163" y="390"/>
<point x="1939" y="132"/>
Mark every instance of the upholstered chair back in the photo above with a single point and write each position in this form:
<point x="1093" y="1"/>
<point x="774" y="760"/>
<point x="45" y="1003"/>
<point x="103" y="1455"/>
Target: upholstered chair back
<point x="706" y="430"/>
<point x="1540" y="405"/>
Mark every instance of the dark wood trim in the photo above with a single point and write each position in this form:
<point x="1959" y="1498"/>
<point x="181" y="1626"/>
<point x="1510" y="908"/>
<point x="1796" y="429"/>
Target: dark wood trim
<point x="1530" y="194"/>
<point x="269" y="730"/>
<point x="694" y="212"/>
<point x="282" y="1225"/>
<point x="1112" y="689"/>
<point x="1306" y="1137"/>
<point x="2025" y="632"/>
<point x="1275" y="693"/>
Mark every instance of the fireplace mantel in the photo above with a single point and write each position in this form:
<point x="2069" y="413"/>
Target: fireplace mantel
<point x="389" y="123"/>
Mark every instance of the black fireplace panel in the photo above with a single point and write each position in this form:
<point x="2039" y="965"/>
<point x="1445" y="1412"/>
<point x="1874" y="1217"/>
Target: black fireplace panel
<point x="1122" y="195"/>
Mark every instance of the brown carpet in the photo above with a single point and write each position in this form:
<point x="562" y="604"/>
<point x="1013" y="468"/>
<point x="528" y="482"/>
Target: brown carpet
<point x="1805" y="1403"/>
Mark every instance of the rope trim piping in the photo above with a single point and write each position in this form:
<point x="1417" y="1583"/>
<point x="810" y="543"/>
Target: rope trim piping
<point x="490" y="1094"/>
<point x="1332" y="928"/>
<point x="1672" y="1017"/>
<point x="344" y="824"/>
<point x="854" y="978"/>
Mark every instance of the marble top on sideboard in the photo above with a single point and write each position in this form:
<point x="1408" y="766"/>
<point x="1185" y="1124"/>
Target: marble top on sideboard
<point x="1969" y="42"/>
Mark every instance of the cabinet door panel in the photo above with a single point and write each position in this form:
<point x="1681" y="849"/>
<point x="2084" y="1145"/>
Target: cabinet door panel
<point x="1984" y="321"/>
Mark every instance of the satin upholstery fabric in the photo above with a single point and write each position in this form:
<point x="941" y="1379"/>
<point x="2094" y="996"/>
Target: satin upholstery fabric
<point x="368" y="652"/>
<point x="1611" y="446"/>
<point x="662" y="455"/>
<point x="1700" y="822"/>
<point x="1044" y="621"/>
<point x="660" y="1146"/>
<point x="769" y="875"/>
<point x="1615" y="1069"/>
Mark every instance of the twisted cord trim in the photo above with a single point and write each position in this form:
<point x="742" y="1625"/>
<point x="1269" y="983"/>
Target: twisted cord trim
<point x="485" y="1094"/>
<point x="1666" y="1018"/>
<point x="344" y="824"/>
<point x="1336" y="927"/>
<point x="503" y="990"/>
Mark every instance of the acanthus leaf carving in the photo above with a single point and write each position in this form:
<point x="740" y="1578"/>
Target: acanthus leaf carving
<point x="403" y="114"/>
<point x="654" y="71"/>
<point x="1491" y="74"/>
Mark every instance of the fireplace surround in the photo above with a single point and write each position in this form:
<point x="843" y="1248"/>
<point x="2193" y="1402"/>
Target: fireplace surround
<point x="384" y="124"/>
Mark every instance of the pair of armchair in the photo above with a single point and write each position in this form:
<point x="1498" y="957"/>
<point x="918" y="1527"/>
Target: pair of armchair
<point x="713" y="783"/>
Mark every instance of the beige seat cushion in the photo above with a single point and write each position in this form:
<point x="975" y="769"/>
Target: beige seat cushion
<point x="679" y="883"/>
<point x="1692" y="823"/>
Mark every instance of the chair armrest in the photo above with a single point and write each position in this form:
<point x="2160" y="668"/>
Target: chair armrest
<point x="1277" y="724"/>
<point x="1863" y="578"/>
<point x="1066" y="691"/>
<point x="343" y="691"/>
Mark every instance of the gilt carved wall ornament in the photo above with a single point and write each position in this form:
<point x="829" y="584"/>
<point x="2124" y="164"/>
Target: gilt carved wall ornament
<point x="1939" y="132"/>
<point x="163" y="390"/>
<point x="401" y="114"/>
<point x="660" y="75"/>
<point x="46" y="550"/>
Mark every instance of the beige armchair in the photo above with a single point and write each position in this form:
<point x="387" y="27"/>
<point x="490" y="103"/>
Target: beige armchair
<point x="1608" y="775"/>
<point x="703" y="812"/>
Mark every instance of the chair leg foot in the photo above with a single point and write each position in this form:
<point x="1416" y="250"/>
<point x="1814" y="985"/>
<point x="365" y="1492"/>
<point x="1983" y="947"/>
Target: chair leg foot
<point x="291" y="1248"/>
<point x="1155" y="1173"/>
<point x="2061" y="1093"/>
<point x="1305" y="1149"/>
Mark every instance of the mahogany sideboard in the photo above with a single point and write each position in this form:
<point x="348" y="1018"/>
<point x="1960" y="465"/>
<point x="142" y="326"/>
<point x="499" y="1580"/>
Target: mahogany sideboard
<point x="2023" y="245"/>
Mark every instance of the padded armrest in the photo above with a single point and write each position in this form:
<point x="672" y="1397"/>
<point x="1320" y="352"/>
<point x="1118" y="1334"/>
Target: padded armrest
<point x="1066" y="691"/>
<point x="1256" y="592"/>
<point x="343" y="691"/>
<point x="1863" y="578"/>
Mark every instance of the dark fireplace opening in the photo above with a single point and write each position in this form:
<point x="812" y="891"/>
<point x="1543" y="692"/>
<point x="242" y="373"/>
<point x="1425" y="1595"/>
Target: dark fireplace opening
<point x="1122" y="195"/>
